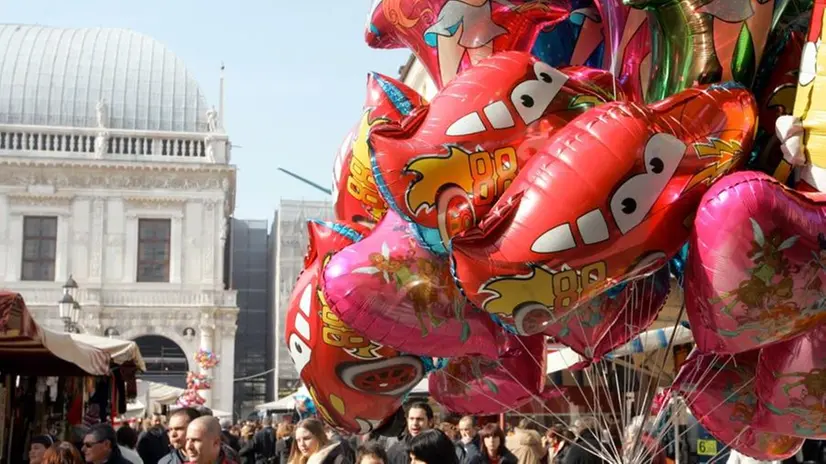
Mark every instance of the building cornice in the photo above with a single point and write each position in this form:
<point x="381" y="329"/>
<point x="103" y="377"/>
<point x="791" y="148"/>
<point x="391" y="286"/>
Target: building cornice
<point x="69" y="174"/>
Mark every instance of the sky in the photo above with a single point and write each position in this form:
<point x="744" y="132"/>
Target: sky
<point x="294" y="80"/>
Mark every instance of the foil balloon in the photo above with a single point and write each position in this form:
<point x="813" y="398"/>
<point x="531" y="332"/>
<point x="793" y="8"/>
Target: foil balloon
<point x="757" y="268"/>
<point x="596" y="327"/>
<point x="577" y="40"/>
<point x="450" y="35"/>
<point x="720" y="393"/>
<point x="356" y="385"/>
<point x="775" y="89"/>
<point x="355" y="195"/>
<point x="471" y="385"/>
<point x="702" y="42"/>
<point x="608" y="200"/>
<point x="446" y="165"/>
<point x="791" y="386"/>
<point x="628" y="47"/>
<point x="395" y="292"/>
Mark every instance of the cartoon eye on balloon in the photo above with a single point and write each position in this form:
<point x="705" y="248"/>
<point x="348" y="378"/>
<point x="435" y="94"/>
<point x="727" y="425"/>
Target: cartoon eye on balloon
<point x="445" y="167"/>
<point x="635" y="197"/>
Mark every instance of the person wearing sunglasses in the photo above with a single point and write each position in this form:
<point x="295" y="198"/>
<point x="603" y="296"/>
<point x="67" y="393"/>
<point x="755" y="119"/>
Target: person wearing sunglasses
<point x="100" y="446"/>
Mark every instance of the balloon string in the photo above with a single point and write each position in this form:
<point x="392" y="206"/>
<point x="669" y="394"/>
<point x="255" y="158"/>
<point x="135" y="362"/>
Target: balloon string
<point x="509" y="409"/>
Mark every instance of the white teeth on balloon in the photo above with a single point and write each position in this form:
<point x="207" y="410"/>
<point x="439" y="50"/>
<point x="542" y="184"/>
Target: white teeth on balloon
<point x="306" y="300"/>
<point x="302" y="326"/>
<point x="560" y="238"/>
<point x="499" y="115"/>
<point x="592" y="227"/>
<point x="808" y="64"/>
<point x="466" y="125"/>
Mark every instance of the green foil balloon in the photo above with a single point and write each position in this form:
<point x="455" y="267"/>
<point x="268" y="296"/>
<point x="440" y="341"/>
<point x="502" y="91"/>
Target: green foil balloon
<point x="706" y="41"/>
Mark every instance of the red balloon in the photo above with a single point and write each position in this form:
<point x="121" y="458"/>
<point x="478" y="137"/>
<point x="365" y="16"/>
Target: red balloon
<point x="355" y="195"/>
<point x="446" y="165"/>
<point x="791" y="386"/>
<point x="609" y="199"/>
<point x="719" y="392"/>
<point x="596" y="327"/>
<point x="450" y="35"/>
<point x="356" y="384"/>
<point x="756" y="272"/>
<point x="397" y="293"/>
<point x="477" y="386"/>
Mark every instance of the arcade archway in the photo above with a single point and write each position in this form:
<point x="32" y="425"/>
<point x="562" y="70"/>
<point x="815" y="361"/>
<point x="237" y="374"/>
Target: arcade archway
<point x="165" y="361"/>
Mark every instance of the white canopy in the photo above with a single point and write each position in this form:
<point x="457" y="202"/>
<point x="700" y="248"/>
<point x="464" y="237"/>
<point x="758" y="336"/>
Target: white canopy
<point x="645" y="342"/>
<point x="160" y="393"/>
<point x="284" y="404"/>
<point x="121" y="351"/>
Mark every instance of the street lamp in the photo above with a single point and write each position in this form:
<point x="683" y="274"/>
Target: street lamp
<point x="68" y="308"/>
<point x="65" y="307"/>
<point x="70" y="287"/>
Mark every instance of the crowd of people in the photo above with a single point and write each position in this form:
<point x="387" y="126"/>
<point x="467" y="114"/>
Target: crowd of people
<point x="193" y="436"/>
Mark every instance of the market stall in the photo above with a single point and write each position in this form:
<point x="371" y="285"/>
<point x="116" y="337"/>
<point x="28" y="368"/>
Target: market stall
<point x="53" y="382"/>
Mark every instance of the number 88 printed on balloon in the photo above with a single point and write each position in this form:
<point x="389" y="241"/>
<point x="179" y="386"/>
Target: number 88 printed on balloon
<point x="608" y="200"/>
<point x="445" y="166"/>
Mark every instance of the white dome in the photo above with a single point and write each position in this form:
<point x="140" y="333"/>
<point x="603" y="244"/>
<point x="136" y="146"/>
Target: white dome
<point x="56" y="77"/>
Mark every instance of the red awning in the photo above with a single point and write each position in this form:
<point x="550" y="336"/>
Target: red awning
<point x="28" y="349"/>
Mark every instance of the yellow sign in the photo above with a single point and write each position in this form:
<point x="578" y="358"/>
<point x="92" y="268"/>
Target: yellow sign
<point x="707" y="447"/>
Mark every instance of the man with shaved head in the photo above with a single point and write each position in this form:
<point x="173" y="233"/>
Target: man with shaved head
<point x="203" y="442"/>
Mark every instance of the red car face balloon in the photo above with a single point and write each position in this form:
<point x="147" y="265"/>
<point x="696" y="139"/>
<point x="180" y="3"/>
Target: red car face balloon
<point x="719" y="392"/>
<point x="447" y="165"/>
<point x="449" y="35"/>
<point x="791" y="386"/>
<point x="356" y="384"/>
<point x="395" y="292"/>
<point x="608" y="200"/>
<point x="594" y="328"/>
<point x="476" y="386"/>
<point x="756" y="271"/>
<point x="355" y="193"/>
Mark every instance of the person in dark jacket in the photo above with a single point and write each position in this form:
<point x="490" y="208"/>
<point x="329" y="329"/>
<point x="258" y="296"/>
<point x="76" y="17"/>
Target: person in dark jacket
<point x="419" y="419"/>
<point x="493" y="449"/>
<point x="100" y="446"/>
<point x="578" y="452"/>
<point x="262" y="445"/>
<point x="432" y="447"/>
<point x="228" y="438"/>
<point x="467" y="446"/>
<point x="178" y="422"/>
<point x="284" y="443"/>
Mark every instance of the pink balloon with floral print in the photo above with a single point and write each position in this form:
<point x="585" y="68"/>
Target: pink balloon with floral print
<point x="395" y="292"/>
<point x="720" y="393"/>
<point x="476" y="386"/>
<point x="756" y="272"/>
<point x="791" y="386"/>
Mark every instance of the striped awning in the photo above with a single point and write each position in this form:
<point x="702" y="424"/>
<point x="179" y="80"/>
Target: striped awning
<point x="28" y="349"/>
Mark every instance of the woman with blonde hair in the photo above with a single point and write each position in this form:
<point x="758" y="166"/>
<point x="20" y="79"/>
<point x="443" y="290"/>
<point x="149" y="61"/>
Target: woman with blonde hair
<point x="311" y="446"/>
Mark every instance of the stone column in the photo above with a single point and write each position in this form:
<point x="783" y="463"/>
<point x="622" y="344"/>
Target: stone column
<point x="207" y="338"/>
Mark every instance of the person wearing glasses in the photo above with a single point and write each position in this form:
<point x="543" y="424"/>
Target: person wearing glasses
<point x="100" y="446"/>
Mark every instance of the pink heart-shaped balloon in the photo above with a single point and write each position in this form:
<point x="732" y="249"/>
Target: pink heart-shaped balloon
<point x="791" y="386"/>
<point x="719" y="392"/>
<point x="757" y="266"/>
<point x="397" y="293"/>
<point x="473" y="385"/>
